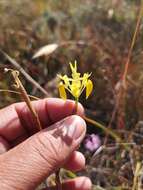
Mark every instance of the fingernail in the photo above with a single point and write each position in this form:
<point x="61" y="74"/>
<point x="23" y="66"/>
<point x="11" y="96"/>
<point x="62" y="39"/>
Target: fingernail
<point x="75" y="127"/>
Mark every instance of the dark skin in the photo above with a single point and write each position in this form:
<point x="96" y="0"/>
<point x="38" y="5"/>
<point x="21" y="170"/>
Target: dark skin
<point x="29" y="156"/>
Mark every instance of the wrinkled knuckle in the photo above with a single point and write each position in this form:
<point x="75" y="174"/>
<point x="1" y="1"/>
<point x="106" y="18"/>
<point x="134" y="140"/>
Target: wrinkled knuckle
<point x="48" y="148"/>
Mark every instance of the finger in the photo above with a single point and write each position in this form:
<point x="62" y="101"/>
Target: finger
<point x="76" y="162"/>
<point x="4" y="146"/>
<point x="80" y="183"/>
<point x="41" y="154"/>
<point x="17" y="120"/>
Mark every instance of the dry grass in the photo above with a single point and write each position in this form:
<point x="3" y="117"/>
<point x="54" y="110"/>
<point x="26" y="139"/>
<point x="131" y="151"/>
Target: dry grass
<point x="98" y="35"/>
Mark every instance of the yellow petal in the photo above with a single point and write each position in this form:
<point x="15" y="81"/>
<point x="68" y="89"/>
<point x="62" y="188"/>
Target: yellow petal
<point x="89" y="88"/>
<point x="73" y="67"/>
<point x="62" y="91"/>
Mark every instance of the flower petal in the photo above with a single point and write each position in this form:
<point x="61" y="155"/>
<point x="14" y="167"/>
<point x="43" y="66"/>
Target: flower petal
<point x="62" y="91"/>
<point x="89" y="88"/>
<point x="45" y="50"/>
<point x="73" y="67"/>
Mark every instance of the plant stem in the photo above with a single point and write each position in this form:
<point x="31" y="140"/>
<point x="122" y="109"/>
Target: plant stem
<point x="26" y="75"/>
<point x="76" y="105"/>
<point x="99" y="125"/>
<point x="24" y="95"/>
<point x="136" y="175"/>
<point x="58" y="180"/>
<point x="15" y="92"/>
<point x="125" y="72"/>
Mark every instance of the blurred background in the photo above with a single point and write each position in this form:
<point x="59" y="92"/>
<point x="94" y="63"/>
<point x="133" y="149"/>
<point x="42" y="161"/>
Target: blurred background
<point x="96" y="33"/>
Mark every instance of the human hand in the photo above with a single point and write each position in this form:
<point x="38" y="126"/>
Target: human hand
<point x="26" y="161"/>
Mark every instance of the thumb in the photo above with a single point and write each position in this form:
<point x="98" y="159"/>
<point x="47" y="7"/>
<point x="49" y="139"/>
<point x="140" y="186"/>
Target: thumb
<point x="26" y="165"/>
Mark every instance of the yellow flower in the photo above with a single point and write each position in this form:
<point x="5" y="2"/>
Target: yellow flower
<point x="76" y="84"/>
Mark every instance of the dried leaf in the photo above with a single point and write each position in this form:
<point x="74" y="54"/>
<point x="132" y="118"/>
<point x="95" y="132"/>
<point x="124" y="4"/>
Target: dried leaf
<point x="45" y="50"/>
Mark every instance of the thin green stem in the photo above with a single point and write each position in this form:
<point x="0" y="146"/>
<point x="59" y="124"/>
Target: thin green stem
<point x="76" y="105"/>
<point x="106" y="130"/>
<point x="99" y="125"/>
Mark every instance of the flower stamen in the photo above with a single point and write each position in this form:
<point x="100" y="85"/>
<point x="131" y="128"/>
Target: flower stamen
<point x="76" y="84"/>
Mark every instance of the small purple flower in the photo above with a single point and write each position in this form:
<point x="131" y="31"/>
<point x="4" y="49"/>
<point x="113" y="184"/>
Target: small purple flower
<point x="92" y="142"/>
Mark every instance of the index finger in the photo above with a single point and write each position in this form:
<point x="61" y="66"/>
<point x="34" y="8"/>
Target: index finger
<point x="17" y="120"/>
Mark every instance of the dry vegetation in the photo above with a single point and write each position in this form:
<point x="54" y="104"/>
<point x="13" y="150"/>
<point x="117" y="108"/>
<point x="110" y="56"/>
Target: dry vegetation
<point x="98" y="34"/>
